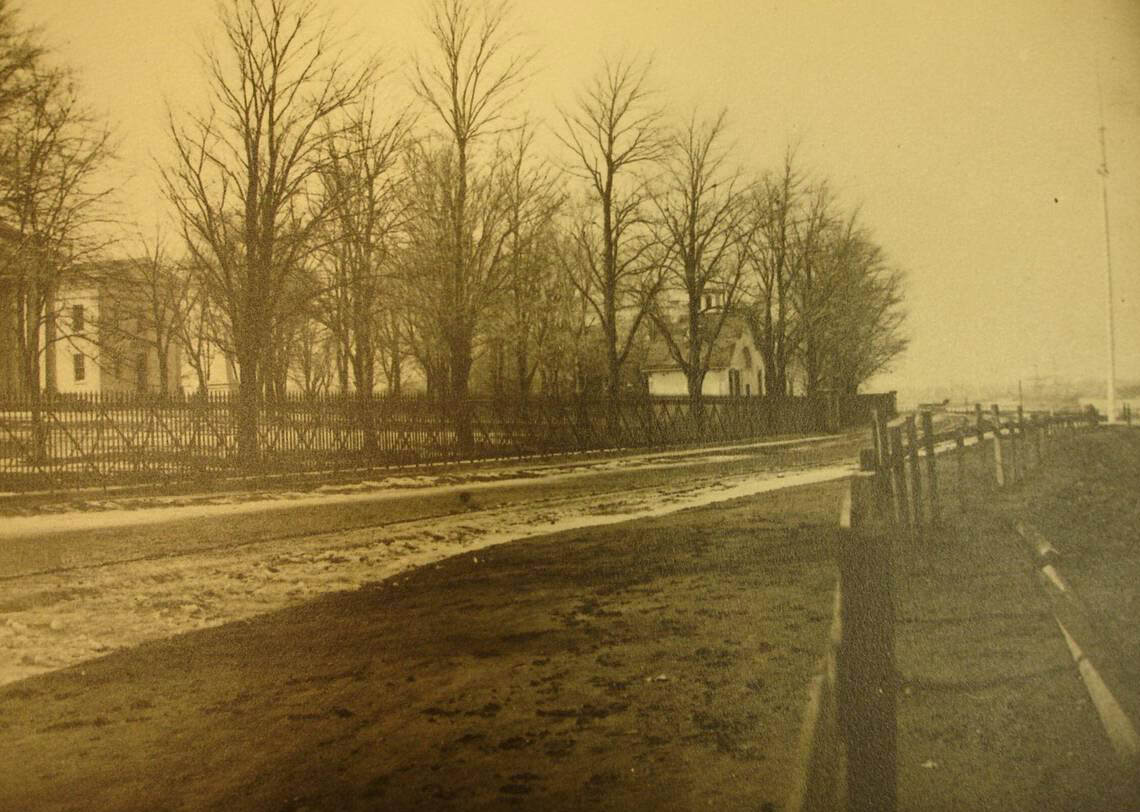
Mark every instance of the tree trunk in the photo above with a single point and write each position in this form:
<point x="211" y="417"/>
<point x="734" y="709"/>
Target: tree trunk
<point x="364" y="374"/>
<point x="696" y="381"/>
<point x="248" y="408"/>
<point x="164" y="372"/>
<point x="522" y="364"/>
<point x="460" y="400"/>
<point x="51" y="385"/>
<point x="395" y="377"/>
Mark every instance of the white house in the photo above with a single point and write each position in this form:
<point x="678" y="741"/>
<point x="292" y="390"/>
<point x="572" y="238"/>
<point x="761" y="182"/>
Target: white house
<point x="735" y="367"/>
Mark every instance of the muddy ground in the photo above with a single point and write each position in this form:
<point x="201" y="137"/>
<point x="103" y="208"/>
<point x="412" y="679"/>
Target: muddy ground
<point x="661" y="664"/>
<point x="85" y="583"/>
<point x="656" y="664"/>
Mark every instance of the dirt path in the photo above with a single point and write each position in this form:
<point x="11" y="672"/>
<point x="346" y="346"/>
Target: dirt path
<point x="82" y="593"/>
<point x="57" y="619"/>
<point x="660" y="664"/>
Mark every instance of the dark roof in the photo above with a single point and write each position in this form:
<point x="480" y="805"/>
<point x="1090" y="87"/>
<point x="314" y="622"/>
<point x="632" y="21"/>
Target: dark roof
<point x="660" y="360"/>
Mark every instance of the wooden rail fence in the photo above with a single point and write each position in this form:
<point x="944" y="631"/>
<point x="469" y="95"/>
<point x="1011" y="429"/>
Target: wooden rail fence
<point x="848" y="750"/>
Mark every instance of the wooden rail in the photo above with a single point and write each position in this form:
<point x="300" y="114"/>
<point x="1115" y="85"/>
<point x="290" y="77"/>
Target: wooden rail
<point x="848" y="744"/>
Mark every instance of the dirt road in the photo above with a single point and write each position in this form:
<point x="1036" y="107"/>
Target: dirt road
<point x="658" y="664"/>
<point x="81" y="584"/>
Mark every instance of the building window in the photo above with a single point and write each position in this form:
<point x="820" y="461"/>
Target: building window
<point x="79" y="367"/>
<point x="734" y="382"/>
<point x="77" y="319"/>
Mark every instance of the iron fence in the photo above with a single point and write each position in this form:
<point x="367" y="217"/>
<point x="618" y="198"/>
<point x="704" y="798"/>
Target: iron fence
<point x="95" y="439"/>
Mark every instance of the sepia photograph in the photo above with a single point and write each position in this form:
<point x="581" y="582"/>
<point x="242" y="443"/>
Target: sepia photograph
<point x="524" y="404"/>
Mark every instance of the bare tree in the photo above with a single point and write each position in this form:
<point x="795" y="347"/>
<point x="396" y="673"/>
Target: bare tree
<point x="197" y="331"/>
<point x="156" y="294"/>
<point x="774" y="208"/>
<point x="312" y="354"/>
<point x="613" y="130"/>
<point x="19" y="54"/>
<point x="701" y="215"/>
<point x="244" y="172"/>
<point x="817" y="246"/>
<point x="365" y="191"/>
<point x="468" y="81"/>
<point x="863" y="331"/>
<point x="52" y="198"/>
<point x="824" y="295"/>
<point x="532" y="202"/>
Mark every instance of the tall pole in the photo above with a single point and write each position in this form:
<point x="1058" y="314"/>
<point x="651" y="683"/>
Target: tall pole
<point x="1103" y="171"/>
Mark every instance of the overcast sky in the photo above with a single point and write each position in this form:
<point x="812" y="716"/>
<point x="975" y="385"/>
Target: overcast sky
<point x="967" y="132"/>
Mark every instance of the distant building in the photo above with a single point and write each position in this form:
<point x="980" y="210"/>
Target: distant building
<point x="218" y="369"/>
<point x="102" y="344"/>
<point x="735" y="367"/>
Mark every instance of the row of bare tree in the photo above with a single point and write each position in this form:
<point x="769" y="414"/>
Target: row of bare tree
<point x="52" y="148"/>
<point x="338" y="239"/>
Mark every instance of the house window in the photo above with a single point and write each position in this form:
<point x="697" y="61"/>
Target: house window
<point x="734" y="382"/>
<point x="79" y="367"/>
<point x="77" y="319"/>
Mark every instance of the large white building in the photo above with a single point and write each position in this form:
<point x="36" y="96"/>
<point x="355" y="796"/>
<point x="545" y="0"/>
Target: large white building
<point x="98" y="343"/>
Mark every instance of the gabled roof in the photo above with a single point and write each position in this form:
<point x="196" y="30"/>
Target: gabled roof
<point x="660" y="360"/>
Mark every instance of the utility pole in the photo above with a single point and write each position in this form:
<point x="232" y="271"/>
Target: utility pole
<point x="1103" y="171"/>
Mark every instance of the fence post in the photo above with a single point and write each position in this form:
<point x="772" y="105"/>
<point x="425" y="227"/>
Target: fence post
<point x="960" y="457"/>
<point x="999" y="462"/>
<point x="1014" y="455"/>
<point x="898" y="477"/>
<point x="867" y="688"/>
<point x="1021" y="458"/>
<point x="980" y="431"/>
<point x="915" y="475"/>
<point x="882" y="462"/>
<point x="931" y="466"/>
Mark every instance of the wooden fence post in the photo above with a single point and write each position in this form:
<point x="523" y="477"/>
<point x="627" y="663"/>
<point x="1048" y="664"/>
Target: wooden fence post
<point x="960" y="480"/>
<point x="980" y="432"/>
<point x="999" y="463"/>
<point x="1017" y="454"/>
<point x="931" y="465"/>
<point x="867" y="689"/>
<point x="1020" y="457"/>
<point x="882" y="462"/>
<point x="898" y="477"/>
<point x="915" y="475"/>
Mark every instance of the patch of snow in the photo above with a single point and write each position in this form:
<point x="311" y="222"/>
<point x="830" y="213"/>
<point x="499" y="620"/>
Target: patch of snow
<point x="125" y="604"/>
